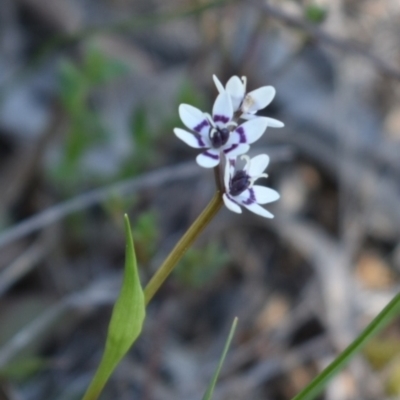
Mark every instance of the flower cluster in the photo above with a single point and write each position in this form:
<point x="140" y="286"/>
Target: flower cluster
<point x="227" y="134"/>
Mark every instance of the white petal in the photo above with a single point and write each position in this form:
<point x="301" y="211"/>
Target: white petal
<point x="227" y="174"/>
<point x="258" y="99"/>
<point x="257" y="209"/>
<point x="218" y="84"/>
<point x="274" y="123"/>
<point x="258" y="164"/>
<point x="222" y="109"/>
<point x="235" y="150"/>
<point x="194" y="119"/>
<point x="208" y="159"/>
<point x="264" y="194"/>
<point x="250" y="131"/>
<point x="191" y="140"/>
<point x="248" y="116"/>
<point x="231" y="205"/>
<point x="236" y="89"/>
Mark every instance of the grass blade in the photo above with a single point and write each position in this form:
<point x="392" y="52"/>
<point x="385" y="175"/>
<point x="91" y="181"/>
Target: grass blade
<point x="210" y="389"/>
<point x="318" y="384"/>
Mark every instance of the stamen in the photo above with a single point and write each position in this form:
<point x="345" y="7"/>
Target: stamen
<point x="254" y="178"/>
<point x="218" y="136"/>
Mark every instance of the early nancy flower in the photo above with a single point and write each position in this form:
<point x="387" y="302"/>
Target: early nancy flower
<point x="218" y="134"/>
<point x="248" y="104"/>
<point x="241" y="191"/>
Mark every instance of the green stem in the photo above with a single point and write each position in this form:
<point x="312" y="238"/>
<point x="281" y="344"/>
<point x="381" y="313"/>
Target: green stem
<point x="318" y="384"/>
<point x="184" y="243"/>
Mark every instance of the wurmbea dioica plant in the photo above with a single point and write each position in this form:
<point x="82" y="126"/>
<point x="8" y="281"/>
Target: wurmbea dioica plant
<point x="222" y="137"/>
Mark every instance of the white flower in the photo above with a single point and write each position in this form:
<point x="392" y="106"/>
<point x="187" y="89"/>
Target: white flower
<point x="251" y="102"/>
<point x="219" y="133"/>
<point x="241" y="191"/>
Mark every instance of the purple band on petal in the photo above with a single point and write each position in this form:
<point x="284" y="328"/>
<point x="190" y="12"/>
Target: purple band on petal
<point x="229" y="149"/>
<point x="241" y="134"/>
<point x="201" y="125"/>
<point x="211" y="155"/>
<point x="220" y="118"/>
<point x="251" y="199"/>
<point x="200" y="140"/>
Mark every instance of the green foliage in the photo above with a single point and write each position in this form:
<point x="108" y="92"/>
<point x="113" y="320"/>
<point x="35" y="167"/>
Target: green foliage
<point x="211" y="386"/>
<point x="126" y="320"/>
<point x="393" y="381"/>
<point x="199" y="266"/>
<point x="145" y="234"/>
<point x="20" y="370"/>
<point x="143" y="138"/>
<point x="85" y="128"/>
<point x="380" y="352"/>
<point x="315" y="13"/>
<point x="312" y="390"/>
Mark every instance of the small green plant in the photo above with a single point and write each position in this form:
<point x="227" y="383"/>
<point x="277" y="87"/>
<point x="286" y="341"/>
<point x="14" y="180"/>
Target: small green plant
<point x="77" y="83"/>
<point x="315" y="13"/>
<point x="200" y="266"/>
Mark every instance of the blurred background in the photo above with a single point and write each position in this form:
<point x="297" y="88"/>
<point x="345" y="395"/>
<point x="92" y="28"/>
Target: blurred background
<point x="89" y="95"/>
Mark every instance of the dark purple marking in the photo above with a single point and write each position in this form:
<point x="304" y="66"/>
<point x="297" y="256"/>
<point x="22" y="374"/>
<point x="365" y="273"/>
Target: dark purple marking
<point x="201" y="125"/>
<point x="251" y="199"/>
<point x="242" y="135"/>
<point x="200" y="140"/>
<point x="220" y="118"/>
<point x="211" y="155"/>
<point x="229" y="149"/>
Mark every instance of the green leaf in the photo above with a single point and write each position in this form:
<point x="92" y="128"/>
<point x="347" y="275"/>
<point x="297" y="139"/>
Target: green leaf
<point x="22" y="369"/>
<point x="99" y="69"/>
<point x="315" y="13"/>
<point x="126" y="320"/>
<point x="210" y="389"/>
<point x="312" y="390"/>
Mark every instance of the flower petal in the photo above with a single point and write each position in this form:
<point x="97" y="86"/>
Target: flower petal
<point x="274" y="123"/>
<point x="257" y="165"/>
<point x="194" y="119"/>
<point x="208" y="159"/>
<point x="258" y="99"/>
<point x="257" y="209"/>
<point x="264" y="194"/>
<point x="236" y="89"/>
<point x="218" y="84"/>
<point x="222" y="109"/>
<point x="235" y="149"/>
<point x="250" y="131"/>
<point x="191" y="139"/>
<point x="231" y="205"/>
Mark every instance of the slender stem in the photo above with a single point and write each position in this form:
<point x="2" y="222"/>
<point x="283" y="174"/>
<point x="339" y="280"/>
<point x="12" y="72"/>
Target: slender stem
<point x="180" y="248"/>
<point x="217" y="177"/>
